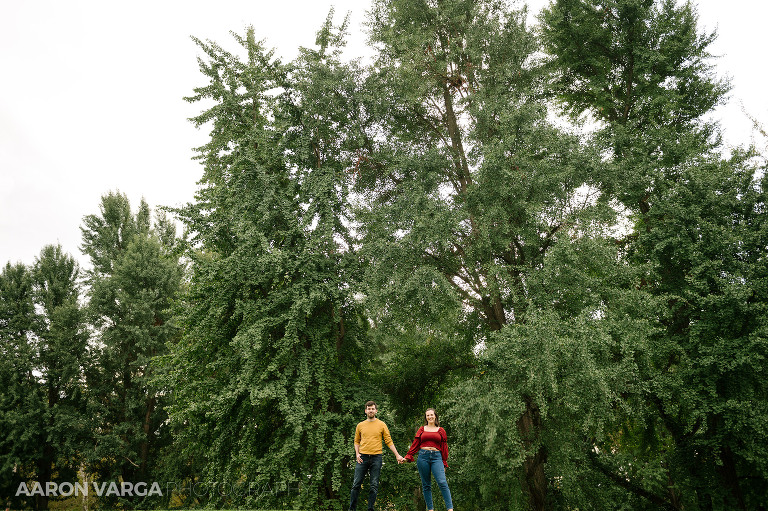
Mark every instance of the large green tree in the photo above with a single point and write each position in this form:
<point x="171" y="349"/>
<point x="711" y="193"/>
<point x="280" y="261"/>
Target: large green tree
<point x="704" y="241"/>
<point x="640" y="69"/>
<point x="21" y="405"/>
<point x="466" y="187"/>
<point x="61" y="359"/>
<point x="44" y="356"/>
<point x="134" y="279"/>
<point x="268" y="373"/>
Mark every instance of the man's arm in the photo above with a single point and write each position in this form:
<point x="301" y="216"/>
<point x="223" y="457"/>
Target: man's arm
<point x="388" y="440"/>
<point x="392" y="448"/>
<point x="358" y="439"/>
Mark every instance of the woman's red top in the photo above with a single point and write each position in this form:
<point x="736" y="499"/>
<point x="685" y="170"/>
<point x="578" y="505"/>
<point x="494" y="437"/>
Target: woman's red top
<point x="437" y="439"/>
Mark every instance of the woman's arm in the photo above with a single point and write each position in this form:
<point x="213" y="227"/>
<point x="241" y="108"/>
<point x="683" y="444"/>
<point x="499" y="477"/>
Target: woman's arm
<point x="415" y="445"/>
<point x="444" y="446"/>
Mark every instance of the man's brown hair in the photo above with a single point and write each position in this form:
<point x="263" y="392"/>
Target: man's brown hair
<point x="371" y="403"/>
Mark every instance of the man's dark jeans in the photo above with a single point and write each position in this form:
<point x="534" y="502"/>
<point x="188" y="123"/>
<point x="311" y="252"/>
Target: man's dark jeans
<point x="371" y="463"/>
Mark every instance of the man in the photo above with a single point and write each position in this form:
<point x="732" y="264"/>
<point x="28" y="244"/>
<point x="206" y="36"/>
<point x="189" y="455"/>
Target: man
<point x="368" y="452"/>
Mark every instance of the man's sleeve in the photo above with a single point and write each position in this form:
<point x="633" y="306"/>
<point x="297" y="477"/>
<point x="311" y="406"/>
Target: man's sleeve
<point x="385" y="434"/>
<point x="357" y="434"/>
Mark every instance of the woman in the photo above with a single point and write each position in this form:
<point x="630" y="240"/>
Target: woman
<point x="431" y="443"/>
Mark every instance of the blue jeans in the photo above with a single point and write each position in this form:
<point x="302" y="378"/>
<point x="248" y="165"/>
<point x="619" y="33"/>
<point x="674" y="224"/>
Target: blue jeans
<point x="371" y="463"/>
<point x="431" y="463"/>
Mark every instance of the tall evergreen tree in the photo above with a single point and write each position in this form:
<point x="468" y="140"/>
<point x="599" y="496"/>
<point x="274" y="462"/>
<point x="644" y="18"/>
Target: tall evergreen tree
<point x="43" y="361"/>
<point x="21" y="405"/>
<point x="268" y="372"/>
<point x="134" y="279"/>
<point x="61" y="359"/>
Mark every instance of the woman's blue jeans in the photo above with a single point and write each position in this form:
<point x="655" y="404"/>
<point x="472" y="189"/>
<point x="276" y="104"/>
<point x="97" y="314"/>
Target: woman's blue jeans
<point x="371" y="463"/>
<point x="430" y="463"/>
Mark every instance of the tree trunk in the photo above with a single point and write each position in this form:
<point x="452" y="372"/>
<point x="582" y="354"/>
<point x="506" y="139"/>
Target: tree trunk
<point x="145" y="441"/>
<point x="44" y="473"/>
<point x="731" y="478"/>
<point x="534" y="481"/>
<point x="674" y="495"/>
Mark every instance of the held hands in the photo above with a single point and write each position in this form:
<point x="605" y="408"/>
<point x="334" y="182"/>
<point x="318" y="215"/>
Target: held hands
<point x="400" y="459"/>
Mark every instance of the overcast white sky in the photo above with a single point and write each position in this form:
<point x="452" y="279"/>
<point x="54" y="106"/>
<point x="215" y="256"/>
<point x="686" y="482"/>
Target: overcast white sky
<point x="91" y="97"/>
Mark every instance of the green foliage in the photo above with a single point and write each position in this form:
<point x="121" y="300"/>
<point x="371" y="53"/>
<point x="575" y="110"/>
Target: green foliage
<point x="640" y="67"/>
<point x="705" y="237"/>
<point x="268" y="372"/>
<point x="588" y="313"/>
<point x="466" y="186"/>
<point x="134" y="281"/>
<point x="21" y="405"/>
<point x="632" y="64"/>
<point x="61" y="359"/>
<point x="44" y="346"/>
<point x="573" y="358"/>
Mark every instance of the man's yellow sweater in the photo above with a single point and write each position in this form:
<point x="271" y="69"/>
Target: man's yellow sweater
<point x="368" y="435"/>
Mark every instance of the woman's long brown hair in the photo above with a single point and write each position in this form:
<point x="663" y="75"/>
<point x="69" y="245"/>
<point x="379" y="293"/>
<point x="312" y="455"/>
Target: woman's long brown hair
<point x="437" y="419"/>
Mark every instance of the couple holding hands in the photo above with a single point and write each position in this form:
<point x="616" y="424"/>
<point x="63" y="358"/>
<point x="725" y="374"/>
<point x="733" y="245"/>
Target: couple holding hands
<point x="430" y="443"/>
